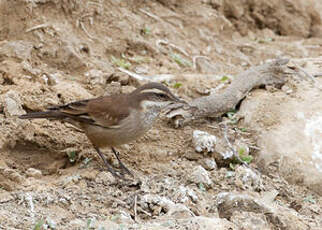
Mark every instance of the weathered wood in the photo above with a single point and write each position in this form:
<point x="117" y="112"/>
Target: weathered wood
<point x="215" y="105"/>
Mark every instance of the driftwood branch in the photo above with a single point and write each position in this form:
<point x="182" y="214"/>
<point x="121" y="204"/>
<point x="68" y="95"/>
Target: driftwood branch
<point x="215" y="105"/>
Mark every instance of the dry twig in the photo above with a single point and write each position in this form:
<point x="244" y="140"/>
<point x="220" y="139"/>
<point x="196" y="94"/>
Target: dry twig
<point x="41" y="26"/>
<point x="135" y="207"/>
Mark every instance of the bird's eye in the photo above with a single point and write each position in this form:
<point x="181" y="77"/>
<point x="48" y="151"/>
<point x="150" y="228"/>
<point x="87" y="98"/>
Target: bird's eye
<point x="162" y="96"/>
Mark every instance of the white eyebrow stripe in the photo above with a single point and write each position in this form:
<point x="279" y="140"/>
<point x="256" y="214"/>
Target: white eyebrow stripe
<point x="153" y="91"/>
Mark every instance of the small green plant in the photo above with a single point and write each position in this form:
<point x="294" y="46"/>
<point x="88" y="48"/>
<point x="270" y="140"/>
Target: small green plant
<point x="72" y="156"/>
<point x="38" y="225"/>
<point x="180" y="60"/>
<point x="202" y="187"/>
<point x="86" y="162"/>
<point x="309" y="199"/>
<point x="141" y="59"/>
<point x="121" y="62"/>
<point x="231" y="116"/>
<point x="146" y="31"/>
<point x="177" y="85"/>
<point x="245" y="158"/>
<point x="243" y="129"/>
<point x="232" y="166"/>
<point x="90" y="223"/>
<point x="224" y="78"/>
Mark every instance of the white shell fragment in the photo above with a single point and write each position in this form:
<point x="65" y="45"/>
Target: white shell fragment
<point x="203" y="141"/>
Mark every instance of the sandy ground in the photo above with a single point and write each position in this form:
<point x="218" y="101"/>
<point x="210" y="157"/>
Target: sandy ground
<point x="54" y="52"/>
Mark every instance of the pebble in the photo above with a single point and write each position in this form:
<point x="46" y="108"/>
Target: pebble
<point x="209" y="164"/>
<point x="12" y="104"/>
<point x="31" y="172"/>
<point x="200" y="175"/>
<point x="203" y="141"/>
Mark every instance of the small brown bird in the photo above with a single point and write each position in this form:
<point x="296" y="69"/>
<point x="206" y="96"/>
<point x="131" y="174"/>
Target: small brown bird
<point x="113" y="120"/>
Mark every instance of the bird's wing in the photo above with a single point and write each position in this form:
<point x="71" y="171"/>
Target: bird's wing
<point x="108" y="111"/>
<point x="105" y="111"/>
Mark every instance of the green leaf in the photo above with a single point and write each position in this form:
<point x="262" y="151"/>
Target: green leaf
<point x="72" y="156"/>
<point x="146" y="31"/>
<point x="241" y="151"/>
<point x="232" y="166"/>
<point x="243" y="129"/>
<point x="180" y="60"/>
<point x="247" y="159"/>
<point x="177" y="85"/>
<point x="224" y="78"/>
<point x="120" y="62"/>
<point x="39" y="225"/>
<point x="202" y="187"/>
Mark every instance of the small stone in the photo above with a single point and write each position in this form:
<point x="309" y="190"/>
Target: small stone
<point x="96" y="77"/>
<point x="13" y="175"/>
<point x="76" y="224"/>
<point x="250" y="221"/>
<point x="31" y="172"/>
<point x="200" y="175"/>
<point x="127" y="89"/>
<point x="12" y="104"/>
<point x="124" y="218"/>
<point x="89" y="174"/>
<point x="5" y="197"/>
<point x="287" y="89"/>
<point x="124" y="79"/>
<point x="203" y="141"/>
<point x="153" y="135"/>
<point x="192" y="195"/>
<point x="53" y="79"/>
<point x="192" y="156"/>
<point x="105" y="178"/>
<point x="229" y="202"/>
<point x="209" y="164"/>
<point x="16" y="49"/>
<point x="246" y="178"/>
<point x="204" y="223"/>
<point x="51" y="223"/>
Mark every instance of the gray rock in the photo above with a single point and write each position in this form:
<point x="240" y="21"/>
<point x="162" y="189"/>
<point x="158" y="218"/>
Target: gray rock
<point x="206" y="223"/>
<point x="246" y="178"/>
<point x="16" y="49"/>
<point x="209" y="164"/>
<point x="12" y="104"/>
<point x="289" y="132"/>
<point x="76" y="224"/>
<point x="5" y="197"/>
<point x="159" y="203"/>
<point x="51" y="223"/>
<point x="250" y="221"/>
<point x="203" y="141"/>
<point x="230" y="204"/>
<point x="105" y="178"/>
<point x="96" y="77"/>
<point x="200" y="175"/>
<point x="34" y="173"/>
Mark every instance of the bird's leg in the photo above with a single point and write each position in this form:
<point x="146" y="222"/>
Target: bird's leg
<point x="122" y="166"/>
<point x="108" y="166"/>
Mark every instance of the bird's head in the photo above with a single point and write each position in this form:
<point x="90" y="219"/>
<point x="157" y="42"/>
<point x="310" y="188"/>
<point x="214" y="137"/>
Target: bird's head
<point x="155" y="96"/>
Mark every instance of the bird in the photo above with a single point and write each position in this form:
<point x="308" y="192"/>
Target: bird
<point x="113" y="120"/>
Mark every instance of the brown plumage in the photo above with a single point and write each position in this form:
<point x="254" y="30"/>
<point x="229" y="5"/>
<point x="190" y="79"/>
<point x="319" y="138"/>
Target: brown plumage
<point x="113" y="120"/>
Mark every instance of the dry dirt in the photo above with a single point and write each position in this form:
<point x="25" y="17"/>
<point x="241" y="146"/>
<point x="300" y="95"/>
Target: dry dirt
<point x="54" y="52"/>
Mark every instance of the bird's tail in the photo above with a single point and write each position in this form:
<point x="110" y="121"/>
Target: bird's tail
<point x="46" y="114"/>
